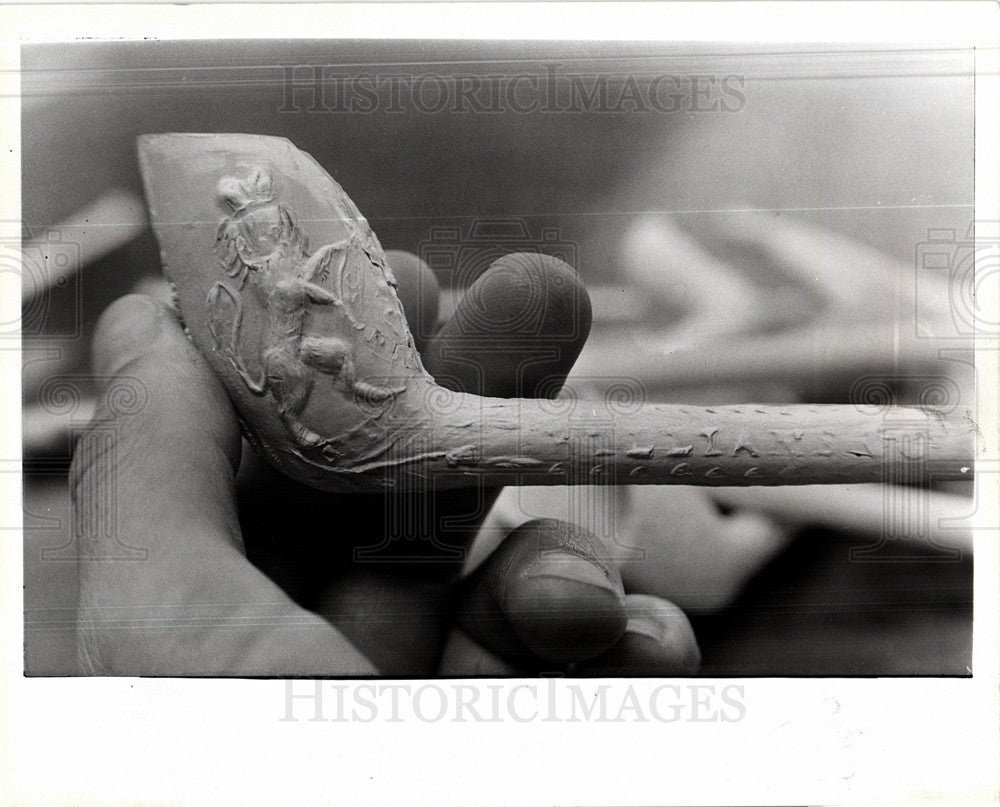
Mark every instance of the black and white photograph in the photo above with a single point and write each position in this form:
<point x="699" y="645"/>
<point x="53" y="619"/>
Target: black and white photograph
<point x="507" y="379"/>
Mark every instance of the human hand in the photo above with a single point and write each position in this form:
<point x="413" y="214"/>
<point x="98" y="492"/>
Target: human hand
<point x="824" y="334"/>
<point x="231" y="573"/>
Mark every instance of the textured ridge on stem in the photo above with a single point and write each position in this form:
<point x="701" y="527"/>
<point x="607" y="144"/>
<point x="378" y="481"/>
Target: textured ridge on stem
<point x="536" y="442"/>
<point x="286" y="291"/>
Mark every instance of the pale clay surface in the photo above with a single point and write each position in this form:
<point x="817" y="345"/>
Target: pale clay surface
<point x="312" y="344"/>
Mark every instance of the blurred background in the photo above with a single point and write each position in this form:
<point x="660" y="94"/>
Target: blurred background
<point x="755" y="225"/>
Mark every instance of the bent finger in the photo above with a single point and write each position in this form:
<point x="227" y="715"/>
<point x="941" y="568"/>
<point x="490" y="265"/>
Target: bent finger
<point x="658" y="640"/>
<point x="546" y="596"/>
<point x="516" y="332"/>
<point x="418" y="291"/>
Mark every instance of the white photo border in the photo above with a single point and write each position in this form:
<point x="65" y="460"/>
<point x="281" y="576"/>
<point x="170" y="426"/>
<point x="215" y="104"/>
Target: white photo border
<point x="152" y="741"/>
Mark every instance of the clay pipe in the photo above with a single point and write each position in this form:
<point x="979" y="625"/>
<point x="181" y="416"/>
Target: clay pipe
<point x="284" y="288"/>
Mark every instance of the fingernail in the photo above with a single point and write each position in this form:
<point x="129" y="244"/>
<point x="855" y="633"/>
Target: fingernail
<point x="565" y="609"/>
<point x="572" y="568"/>
<point x="567" y="552"/>
<point x="649" y="628"/>
<point x="125" y="332"/>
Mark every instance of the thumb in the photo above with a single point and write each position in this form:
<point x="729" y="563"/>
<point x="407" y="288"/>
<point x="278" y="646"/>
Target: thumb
<point x="165" y="588"/>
